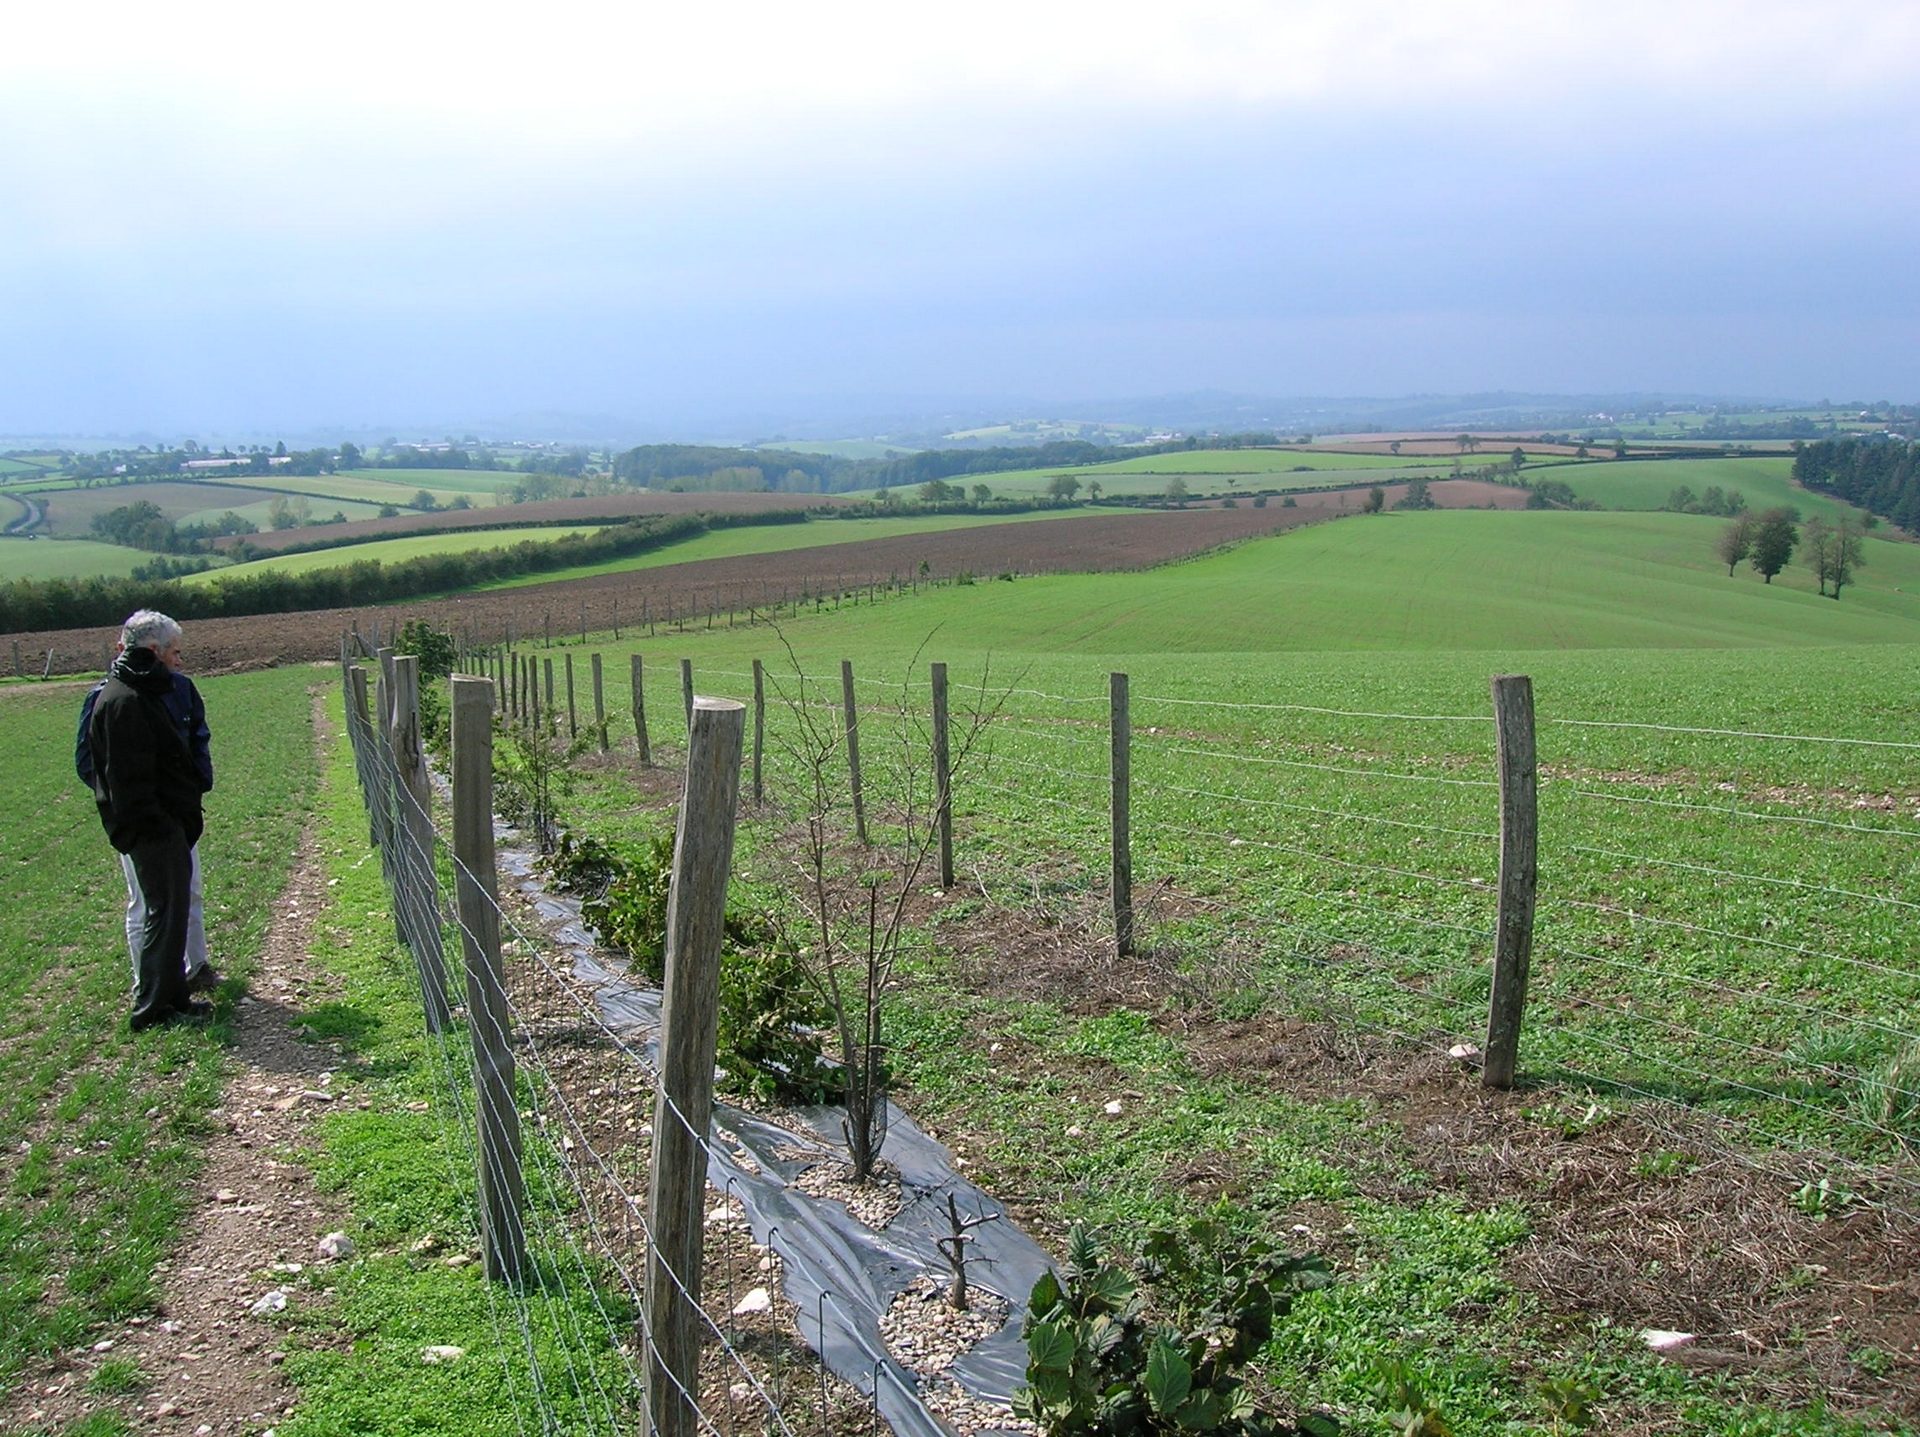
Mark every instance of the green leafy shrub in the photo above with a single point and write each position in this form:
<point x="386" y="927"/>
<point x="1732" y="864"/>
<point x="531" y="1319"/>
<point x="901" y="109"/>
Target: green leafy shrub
<point x="1100" y="1364"/>
<point x="770" y="1018"/>
<point x="434" y="648"/>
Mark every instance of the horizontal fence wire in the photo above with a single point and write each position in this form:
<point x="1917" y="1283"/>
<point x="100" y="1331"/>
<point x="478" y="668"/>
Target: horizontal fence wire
<point x="1328" y="859"/>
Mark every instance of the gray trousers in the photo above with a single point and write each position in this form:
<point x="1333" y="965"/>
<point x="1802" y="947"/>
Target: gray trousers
<point x="196" y="957"/>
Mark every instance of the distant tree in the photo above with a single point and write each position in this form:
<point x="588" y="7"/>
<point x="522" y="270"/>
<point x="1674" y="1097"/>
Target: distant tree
<point x="982" y="494"/>
<point x="1735" y="543"/>
<point x="938" y="491"/>
<point x="1395" y="446"/>
<point x="1775" y="533"/>
<point x="1619" y="449"/>
<point x="280" y="449"/>
<point x="387" y="511"/>
<point x="1176" y="491"/>
<point x="1682" y="501"/>
<point x="1466" y="442"/>
<point x="280" y="512"/>
<point x="1581" y="452"/>
<point x="350" y="456"/>
<point x="1832" y="551"/>
<point x="1229" y="502"/>
<point x="460" y="501"/>
<point x="1093" y="490"/>
<point x="1416" y="496"/>
<point x="1518" y="459"/>
<point x="1259" y="501"/>
<point x="424" y="501"/>
<point x="1376" y="500"/>
<point x="1062" y="487"/>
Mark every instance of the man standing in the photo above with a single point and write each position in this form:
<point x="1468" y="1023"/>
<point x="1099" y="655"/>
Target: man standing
<point x="148" y="793"/>
<point x="190" y="714"/>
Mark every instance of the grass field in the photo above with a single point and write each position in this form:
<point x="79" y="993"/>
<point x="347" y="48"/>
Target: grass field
<point x="391" y="551"/>
<point x="1644" y="484"/>
<point x="100" y="1127"/>
<point x="335" y="487"/>
<point x="1439" y="580"/>
<point x="479" y="485"/>
<point x="72" y="510"/>
<point x="1721" y="920"/>
<point x="65" y="559"/>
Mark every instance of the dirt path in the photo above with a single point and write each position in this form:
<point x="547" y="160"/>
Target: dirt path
<point x="209" y="1366"/>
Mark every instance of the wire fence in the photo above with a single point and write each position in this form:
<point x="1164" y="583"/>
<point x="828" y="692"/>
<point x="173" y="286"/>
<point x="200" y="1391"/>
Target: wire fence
<point x="572" y="1327"/>
<point x="1722" y="925"/>
<point x="1723" y="915"/>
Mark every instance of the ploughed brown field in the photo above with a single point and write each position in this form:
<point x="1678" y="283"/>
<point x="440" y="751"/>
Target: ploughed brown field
<point x="1099" y="542"/>
<point x="609" y="509"/>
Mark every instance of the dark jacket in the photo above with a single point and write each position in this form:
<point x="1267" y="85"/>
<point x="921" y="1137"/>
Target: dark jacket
<point x="144" y="780"/>
<point x="189" y="712"/>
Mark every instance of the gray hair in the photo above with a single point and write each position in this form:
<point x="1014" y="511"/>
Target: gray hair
<point x="149" y="629"/>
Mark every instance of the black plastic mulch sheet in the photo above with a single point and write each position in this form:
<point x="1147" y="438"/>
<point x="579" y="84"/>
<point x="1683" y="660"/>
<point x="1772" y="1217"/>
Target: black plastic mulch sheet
<point x="840" y="1274"/>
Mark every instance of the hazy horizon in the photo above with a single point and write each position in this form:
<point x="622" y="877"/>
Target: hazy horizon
<point x="228" y="220"/>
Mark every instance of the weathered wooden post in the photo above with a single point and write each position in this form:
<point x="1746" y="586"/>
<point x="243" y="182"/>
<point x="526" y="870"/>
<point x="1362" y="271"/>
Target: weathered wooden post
<point x="360" y="729"/>
<point x="851" y="713"/>
<point x="1519" y="873"/>
<point x="548" y="664"/>
<point x="18" y="671"/>
<point x="599" y="704"/>
<point x="686" y="688"/>
<point x="759" y="729"/>
<point x="415" y="793"/>
<point x="47" y="672"/>
<point x="683" y="1107"/>
<point x="1120" y="733"/>
<point x="583" y="621"/>
<point x="942" y="775"/>
<point x="573" y="720"/>
<point x="503" y="1238"/>
<point x="640" y="711"/>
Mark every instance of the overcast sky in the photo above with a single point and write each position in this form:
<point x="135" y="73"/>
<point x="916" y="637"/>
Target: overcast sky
<point x="246" y="216"/>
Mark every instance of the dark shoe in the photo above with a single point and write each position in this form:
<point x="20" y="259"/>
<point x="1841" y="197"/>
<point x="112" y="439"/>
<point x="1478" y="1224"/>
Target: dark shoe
<point x="192" y="1011"/>
<point x="205" y="980"/>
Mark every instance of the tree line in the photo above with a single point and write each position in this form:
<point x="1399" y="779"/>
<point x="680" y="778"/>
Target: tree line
<point x="1881" y="476"/>
<point x="94" y="603"/>
<point x="1769" y="539"/>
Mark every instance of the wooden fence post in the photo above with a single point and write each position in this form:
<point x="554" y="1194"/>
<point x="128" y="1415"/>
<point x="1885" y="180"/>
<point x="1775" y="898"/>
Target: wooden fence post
<point x="599" y="704"/>
<point x="18" y="671"/>
<point x="415" y="793"/>
<point x="686" y="688"/>
<point x="1519" y="873"/>
<point x="640" y="710"/>
<point x="583" y="621"/>
<point x="573" y="721"/>
<point x="548" y="663"/>
<point x="759" y="729"/>
<point x="683" y="1107"/>
<point x="47" y="672"/>
<point x="360" y="730"/>
<point x="1120" y="733"/>
<point x="503" y="1239"/>
<point x="942" y="775"/>
<point x="851" y="713"/>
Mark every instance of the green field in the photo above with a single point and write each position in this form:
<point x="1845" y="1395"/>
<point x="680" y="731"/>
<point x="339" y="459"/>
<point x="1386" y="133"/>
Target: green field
<point x="479" y="485"/>
<point x="102" y="1127"/>
<point x="65" y="559"/>
<point x="391" y="551"/>
<point x="1448" y="579"/>
<point x="1723" y="920"/>
<point x="1646" y="483"/>
<point x="321" y="488"/>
